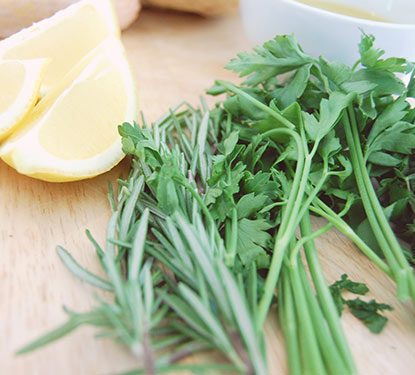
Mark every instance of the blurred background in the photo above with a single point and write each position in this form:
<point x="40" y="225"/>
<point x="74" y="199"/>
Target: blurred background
<point x="17" y="14"/>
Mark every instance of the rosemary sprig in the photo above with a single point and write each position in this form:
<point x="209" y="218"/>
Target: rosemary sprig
<point x="165" y="259"/>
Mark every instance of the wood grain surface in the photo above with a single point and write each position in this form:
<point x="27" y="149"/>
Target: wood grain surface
<point x="175" y="57"/>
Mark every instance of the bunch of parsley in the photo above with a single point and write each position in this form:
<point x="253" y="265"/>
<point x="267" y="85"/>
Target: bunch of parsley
<point x="215" y="213"/>
<point x="359" y="126"/>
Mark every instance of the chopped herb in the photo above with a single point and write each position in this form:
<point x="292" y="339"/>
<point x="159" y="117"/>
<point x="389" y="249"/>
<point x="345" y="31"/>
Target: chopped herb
<point x="367" y="312"/>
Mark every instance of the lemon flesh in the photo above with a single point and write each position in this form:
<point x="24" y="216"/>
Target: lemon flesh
<point x="63" y="38"/>
<point x="75" y="129"/>
<point x="10" y="87"/>
<point x="71" y="134"/>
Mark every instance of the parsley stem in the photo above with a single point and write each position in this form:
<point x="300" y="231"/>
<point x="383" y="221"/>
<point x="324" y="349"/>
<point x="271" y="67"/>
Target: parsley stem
<point x="324" y="296"/>
<point x="313" y="193"/>
<point x="406" y="271"/>
<point x="320" y="208"/>
<point x="365" y="198"/>
<point x="286" y="230"/>
<point x="308" y="339"/>
<point x="290" y="219"/>
<point x="383" y="222"/>
<point x="329" y="351"/>
<point x="386" y="239"/>
<point x="231" y="230"/>
<point x="335" y="218"/>
<point x="289" y="324"/>
<point x="257" y="103"/>
<point x="310" y="237"/>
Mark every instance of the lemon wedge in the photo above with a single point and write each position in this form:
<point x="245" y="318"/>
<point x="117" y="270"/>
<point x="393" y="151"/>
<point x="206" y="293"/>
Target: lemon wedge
<point x="20" y="83"/>
<point x="65" y="38"/>
<point x="71" y="134"/>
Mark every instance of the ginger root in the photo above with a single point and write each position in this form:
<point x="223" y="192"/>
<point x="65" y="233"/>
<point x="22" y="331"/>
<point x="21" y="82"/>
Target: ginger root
<point x="203" y="7"/>
<point x="17" y="14"/>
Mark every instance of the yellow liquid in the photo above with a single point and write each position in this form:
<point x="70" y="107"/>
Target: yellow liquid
<point x="344" y="9"/>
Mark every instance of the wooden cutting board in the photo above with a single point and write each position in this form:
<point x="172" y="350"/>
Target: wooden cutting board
<point x="175" y="57"/>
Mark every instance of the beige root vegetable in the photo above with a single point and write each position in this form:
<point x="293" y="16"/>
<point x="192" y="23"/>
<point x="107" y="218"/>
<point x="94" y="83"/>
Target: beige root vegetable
<point x="17" y="14"/>
<point x="204" y="7"/>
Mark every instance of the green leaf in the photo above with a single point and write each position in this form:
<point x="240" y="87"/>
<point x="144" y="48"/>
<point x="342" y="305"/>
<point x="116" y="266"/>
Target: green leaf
<point x="137" y="250"/>
<point x="347" y="169"/>
<point x="383" y="159"/>
<point x="292" y="113"/>
<point x="330" y="111"/>
<point x="216" y="89"/>
<point x="81" y="272"/>
<point x="186" y="313"/>
<point x="368" y="106"/>
<point x="129" y="130"/>
<point x="352" y="286"/>
<point x="330" y="145"/>
<point x="128" y="209"/>
<point x="128" y="145"/>
<point x="276" y="56"/>
<point x="367" y="312"/>
<point x="411" y="84"/>
<point x="370" y="57"/>
<point x="244" y="321"/>
<point x="252" y="239"/>
<point x="365" y="232"/>
<point x="260" y="183"/>
<point x="400" y="138"/>
<point x="250" y="204"/>
<point x="230" y="142"/>
<point x="384" y="83"/>
<point x="203" y="258"/>
<point x="211" y="195"/>
<point x="393" y="113"/>
<point x="95" y="318"/>
<point x="359" y="86"/>
<point x="336" y="72"/>
<point x="289" y="93"/>
<point x="197" y="368"/>
<point x="167" y="197"/>
<point x="239" y="105"/>
<point x="211" y="321"/>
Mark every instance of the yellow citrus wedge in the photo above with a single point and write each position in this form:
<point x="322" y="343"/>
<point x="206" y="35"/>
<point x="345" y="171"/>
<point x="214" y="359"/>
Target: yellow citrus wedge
<point x="20" y="83"/>
<point x="72" y="134"/>
<point x="65" y="38"/>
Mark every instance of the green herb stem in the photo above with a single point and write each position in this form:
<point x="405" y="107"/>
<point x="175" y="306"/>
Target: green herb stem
<point x="287" y="228"/>
<point x="290" y="219"/>
<point x="321" y="209"/>
<point x="370" y="203"/>
<point x="406" y="273"/>
<point x="325" y="297"/>
<point x="377" y="208"/>
<point x="312" y="357"/>
<point x="330" y="352"/>
<point x="256" y="102"/>
<point x="289" y="324"/>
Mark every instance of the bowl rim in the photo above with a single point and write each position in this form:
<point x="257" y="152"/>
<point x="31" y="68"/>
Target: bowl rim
<point x="350" y="19"/>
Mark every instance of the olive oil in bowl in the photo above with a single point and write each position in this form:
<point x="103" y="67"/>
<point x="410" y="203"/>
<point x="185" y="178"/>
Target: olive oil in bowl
<point x="344" y="9"/>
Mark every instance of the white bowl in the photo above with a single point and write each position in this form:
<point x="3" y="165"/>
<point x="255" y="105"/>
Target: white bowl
<point x="332" y="35"/>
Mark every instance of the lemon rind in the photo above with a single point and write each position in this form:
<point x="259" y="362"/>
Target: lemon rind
<point x="27" y="98"/>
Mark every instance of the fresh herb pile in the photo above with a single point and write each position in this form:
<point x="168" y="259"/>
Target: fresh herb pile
<point x="209" y="228"/>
